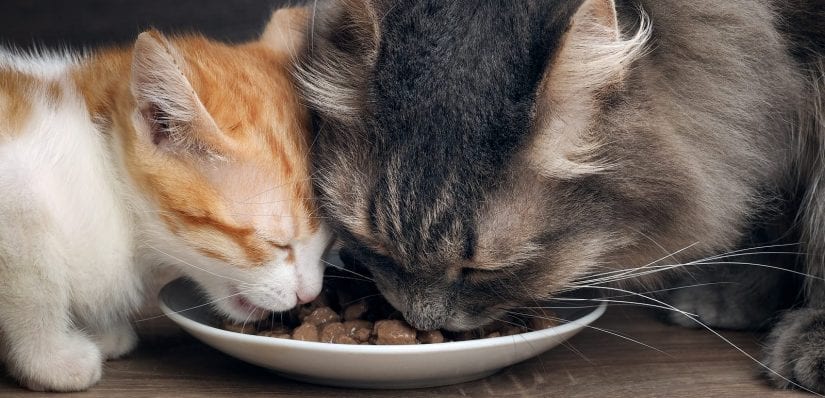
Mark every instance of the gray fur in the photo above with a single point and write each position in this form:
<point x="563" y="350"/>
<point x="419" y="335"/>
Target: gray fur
<point x="468" y="183"/>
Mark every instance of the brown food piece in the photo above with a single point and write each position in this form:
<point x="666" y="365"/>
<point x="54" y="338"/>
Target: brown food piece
<point x="354" y="314"/>
<point x="305" y="332"/>
<point x="542" y="323"/>
<point x="359" y="330"/>
<point x="355" y="311"/>
<point x="394" y="332"/>
<point x="275" y="334"/>
<point x="331" y="331"/>
<point x="322" y="316"/>
<point x="344" y="339"/>
<point x="464" y="336"/>
<point x="510" y="330"/>
<point x="430" y="336"/>
<point x="240" y="328"/>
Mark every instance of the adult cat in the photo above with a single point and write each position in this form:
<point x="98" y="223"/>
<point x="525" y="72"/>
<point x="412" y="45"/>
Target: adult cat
<point x="479" y="155"/>
<point x="177" y="152"/>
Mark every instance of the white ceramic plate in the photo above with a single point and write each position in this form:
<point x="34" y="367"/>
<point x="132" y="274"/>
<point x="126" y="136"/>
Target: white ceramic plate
<point x="366" y="366"/>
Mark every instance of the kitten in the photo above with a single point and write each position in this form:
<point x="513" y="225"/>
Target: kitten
<point x="177" y="152"/>
<point x="477" y="156"/>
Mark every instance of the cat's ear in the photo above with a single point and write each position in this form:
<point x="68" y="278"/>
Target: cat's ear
<point x="590" y="61"/>
<point x="172" y="116"/>
<point x="360" y="26"/>
<point x="592" y="54"/>
<point x="286" y="30"/>
<point x="342" y="49"/>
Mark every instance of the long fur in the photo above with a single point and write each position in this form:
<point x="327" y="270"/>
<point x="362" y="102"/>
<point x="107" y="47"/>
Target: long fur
<point x="471" y="171"/>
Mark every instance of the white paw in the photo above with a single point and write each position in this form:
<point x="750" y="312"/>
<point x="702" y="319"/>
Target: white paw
<point x="71" y="364"/>
<point x="117" y="342"/>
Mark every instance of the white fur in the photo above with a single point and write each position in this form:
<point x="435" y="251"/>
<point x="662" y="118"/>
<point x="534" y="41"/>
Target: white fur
<point x="79" y="244"/>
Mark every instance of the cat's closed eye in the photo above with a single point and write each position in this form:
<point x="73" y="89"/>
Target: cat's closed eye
<point x="473" y="275"/>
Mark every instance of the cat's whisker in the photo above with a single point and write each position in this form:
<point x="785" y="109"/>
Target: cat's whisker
<point x="610" y="332"/>
<point x="346" y="270"/>
<point x="756" y="248"/>
<point x="695" y="319"/>
<point x="360" y="298"/>
<point x="608" y="300"/>
<point x="773" y="267"/>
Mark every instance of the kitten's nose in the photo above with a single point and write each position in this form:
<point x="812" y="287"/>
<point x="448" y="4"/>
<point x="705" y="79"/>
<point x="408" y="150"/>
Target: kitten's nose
<point x="304" y="298"/>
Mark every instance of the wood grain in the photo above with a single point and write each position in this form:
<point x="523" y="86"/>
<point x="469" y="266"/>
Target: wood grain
<point x="693" y="363"/>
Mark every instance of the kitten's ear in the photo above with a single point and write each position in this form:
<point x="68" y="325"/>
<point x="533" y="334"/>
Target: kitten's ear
<point x="174" y="119"/>
<point x="590" y="61"/>
<point x="286" y="30"/>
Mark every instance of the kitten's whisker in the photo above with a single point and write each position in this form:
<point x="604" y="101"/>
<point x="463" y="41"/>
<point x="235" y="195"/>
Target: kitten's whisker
<point x="243" y="326"/>
<point x="191" y="265"/>
<point x="188" y="309"/>
<point x="343" y="277"/>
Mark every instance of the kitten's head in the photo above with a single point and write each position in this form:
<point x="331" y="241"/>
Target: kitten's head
<point x="477" y="157"/>
<point x="218" y="142"/>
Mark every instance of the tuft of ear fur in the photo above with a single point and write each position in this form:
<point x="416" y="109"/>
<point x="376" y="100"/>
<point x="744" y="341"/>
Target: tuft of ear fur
<point x="591" y="61"/>
<point x="174" y="117"/>
<point x="342" y="47"/>
<point x="286" y="30"/>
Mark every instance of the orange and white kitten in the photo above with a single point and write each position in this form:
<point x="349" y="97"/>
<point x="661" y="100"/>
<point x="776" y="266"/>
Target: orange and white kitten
<point x="178" y="152"/>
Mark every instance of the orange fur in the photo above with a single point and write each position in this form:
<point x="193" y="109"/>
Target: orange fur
<point x="15" y="103"/>
<point x="247" y="91"/>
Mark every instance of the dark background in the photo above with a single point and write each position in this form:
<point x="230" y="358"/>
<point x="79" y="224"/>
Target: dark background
<point x="92" y="23"/>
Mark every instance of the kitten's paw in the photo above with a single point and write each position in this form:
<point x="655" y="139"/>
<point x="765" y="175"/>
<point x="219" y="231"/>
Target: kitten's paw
<point x="73" y="363"/>
<point x="118" y="341"/>
<point x="714" y="306"/>
<point x="796" y="350"/>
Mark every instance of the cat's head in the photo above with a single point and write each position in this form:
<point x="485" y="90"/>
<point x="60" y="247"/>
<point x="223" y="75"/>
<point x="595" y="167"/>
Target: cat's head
<point x="218" y="141"/>
<point x="480" y="157"/>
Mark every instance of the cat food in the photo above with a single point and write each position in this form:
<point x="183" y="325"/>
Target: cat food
<point x="353" y="314"/>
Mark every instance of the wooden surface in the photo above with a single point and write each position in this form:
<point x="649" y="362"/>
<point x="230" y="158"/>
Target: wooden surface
<point x="169" y="363"/>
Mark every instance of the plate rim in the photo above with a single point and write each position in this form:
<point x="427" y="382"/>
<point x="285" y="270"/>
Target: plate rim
<point x="182" y="320"/>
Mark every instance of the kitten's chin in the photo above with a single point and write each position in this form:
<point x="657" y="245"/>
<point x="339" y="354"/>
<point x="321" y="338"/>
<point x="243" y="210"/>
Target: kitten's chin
<point x="239" y="308"/>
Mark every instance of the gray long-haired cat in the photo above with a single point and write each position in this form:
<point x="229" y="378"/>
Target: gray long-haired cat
<point x="479" y="155"/>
